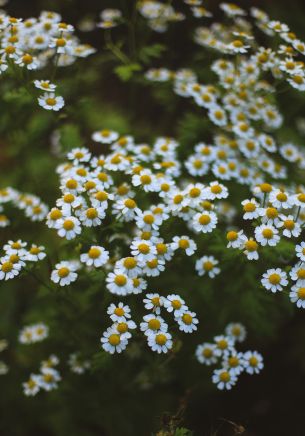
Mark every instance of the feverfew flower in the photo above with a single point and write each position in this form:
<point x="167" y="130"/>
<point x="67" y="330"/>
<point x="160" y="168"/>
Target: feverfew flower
<point x="224" y="378"/>
<point x="96" y="256"/>
<point x="253" y="362"/>
<point x="274" y="280"/>
<point x="187" y="321"/>
<point x="160" y="342"/>
<point x="64" y="273"/>
<point x="51" y="102"/>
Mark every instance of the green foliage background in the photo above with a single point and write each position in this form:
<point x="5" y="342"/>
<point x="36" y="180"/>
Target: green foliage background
<point x="138" y="393"/>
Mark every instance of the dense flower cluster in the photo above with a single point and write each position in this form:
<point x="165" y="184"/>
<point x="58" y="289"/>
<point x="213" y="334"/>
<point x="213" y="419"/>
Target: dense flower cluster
<point x="33" y="207"/>
<point x="233" y="362"/>
<point x="16" y="254"/>
<point x="31" y="44"/>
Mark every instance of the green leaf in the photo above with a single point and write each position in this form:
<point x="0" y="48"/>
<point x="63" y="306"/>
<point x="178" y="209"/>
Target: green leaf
<point x="125" y="72"/>
<point x="151" y="51"/>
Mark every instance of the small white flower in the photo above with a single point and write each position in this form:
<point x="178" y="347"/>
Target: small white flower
<point x="96" y="256"/>
<point x="153" y="324"/>
<point x="160" y="342"/>
<point x="64" y="273"/>
<point x="113" y="342"/>
<point x="205" y="354"/>
<point x="154" y="302"/>
<point x="51" y="102"/>
<point x="274" y="280"/>
<point x="118" y="312"/>
<point x="207" y="265"/>
<point x="105" y="136"/>
<point x="253" y="362"/>
<point x="224" y="378"/>
<point x="297" y="295"/>
<point x="187" y="322"/>
<point x="174" y="303"/>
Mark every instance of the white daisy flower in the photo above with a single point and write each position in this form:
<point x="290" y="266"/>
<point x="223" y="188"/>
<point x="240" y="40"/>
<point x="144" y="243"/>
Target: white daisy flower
<point x="154" y="302"/>
<point x="119" y="283"/>
<point x="153" y="324"/>
<point x="96" y="256"/>
<point x="224" y="378"/>
<point x="32" y="386"/>
<point x="204" y="222"/>
<point x="51" y="102"/>
<point x="184" y="243"/>
<point x="300" y="251"/>
<point x="253" y="362"/>
<point x="113" y="342"/>
<point x="68" y="227"/>
<point x="187" y="322"/>
<point x="174" y="303"/>
<point x="297" y="274"/>
<point x="8" y="270"/>
<point x="205" y="354"/>
<point x="234" y="362"/>
<point x="160" y="342"/>
<point x="297" y="295"/>
<point x="224" y="345"/>
<point x="237" y="331"/>
<point x="64" y="273"/>
<point x="105" y="136"/>
<point x="118" y="312"/>
<point x="207" y="265"/>
<point x="267" y="234"/>
<point x="274" y="280"/>
<point x="44" y="85"/>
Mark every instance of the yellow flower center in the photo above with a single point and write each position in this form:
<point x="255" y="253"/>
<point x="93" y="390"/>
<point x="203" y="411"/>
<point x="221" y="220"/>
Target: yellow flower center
<point x="187" y="318"/>
<point x="120" y="280"/>
<point x="274" y="279"/>
<point x="7" y="267"/>
<point x="51" y="101"/>
<point x="91" y="213"/>
<point x="68" y="225"/>
<point x="184" y="243"/>
<point x="204" y="219"/>
<point x="119" y="311"/>
<point x="130" y="263"/>
<point x="114" y="339"/>
<point x="130" y="204"/>
<point x="232" y="236"/>
<point x="267" y="233"/>
<point x="154" y="324"/>
<point x="94" y="253"/>
<point x="161" y="339"/>
<point x="144" y="248"/>
<point x="63" y="272"/>
<point x="224" y="376"/>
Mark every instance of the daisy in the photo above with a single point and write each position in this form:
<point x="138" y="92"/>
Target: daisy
<point x="123" y="328"/>
<point x="237" y="331"/>
<point x="300" y="251"/>
<point x="224" y="345"/>
<point x="96" y="256"/>
<point x="216" y="190"/>
<point x="127" y="207"/>
<point x="280" y="199"/>
<point x="51" y="102"/>
<point x="289" y="226"/>
<point x="297" y="295"/>
<point x="251" y="209"/>
<point x="153" y="324"/>
<point x="113" y="342"/>
<point x="160" y="342"/>
<point x="119" y="283"/>
<point x="92" y="217"/>
<point x="154" y="302"/>
<point x="297" y="274"/>
<point x="143" y="250"/>
<point x="234" y="362"/>
<point x="146" y="180"/>
<point x="205" y="354"/>
<point x="49" y="379"/>
<point x="64" y="273"/>
<point x="32" y="386"/>
<point x="274" y="280"/>
<point x="105" y="136"/>
<point x="154" y="267"/>
<point x="236" y="239"/>
<point x="68" y="227"/>
<point x="184" y="243"/>
<point x="118" y="313"/>
<point x="8" y="269"/>
<point x="267" y="234"/>
<point x="207" y="265"/>
<point x="253" y="362"/>
<point x="44" y="85"/>
<point x="174" y="303"/>
<point x="187" y="322"/>
<point x="36" y="253"/>
<point x="204" y="222"/>
<point x="224" y="378"/>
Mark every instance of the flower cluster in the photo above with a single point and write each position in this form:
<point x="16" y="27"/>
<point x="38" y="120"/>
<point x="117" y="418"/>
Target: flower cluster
<point x="158" y="14"/>
<point x="47" y="379"/>
<point x="15" y="257"/>
<point x="232" y="362"/>
<point x="33" y="207"/>
<point x="31" y="44"/>
<point x="154" y="327"/>
<point x="33" y="333"/>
